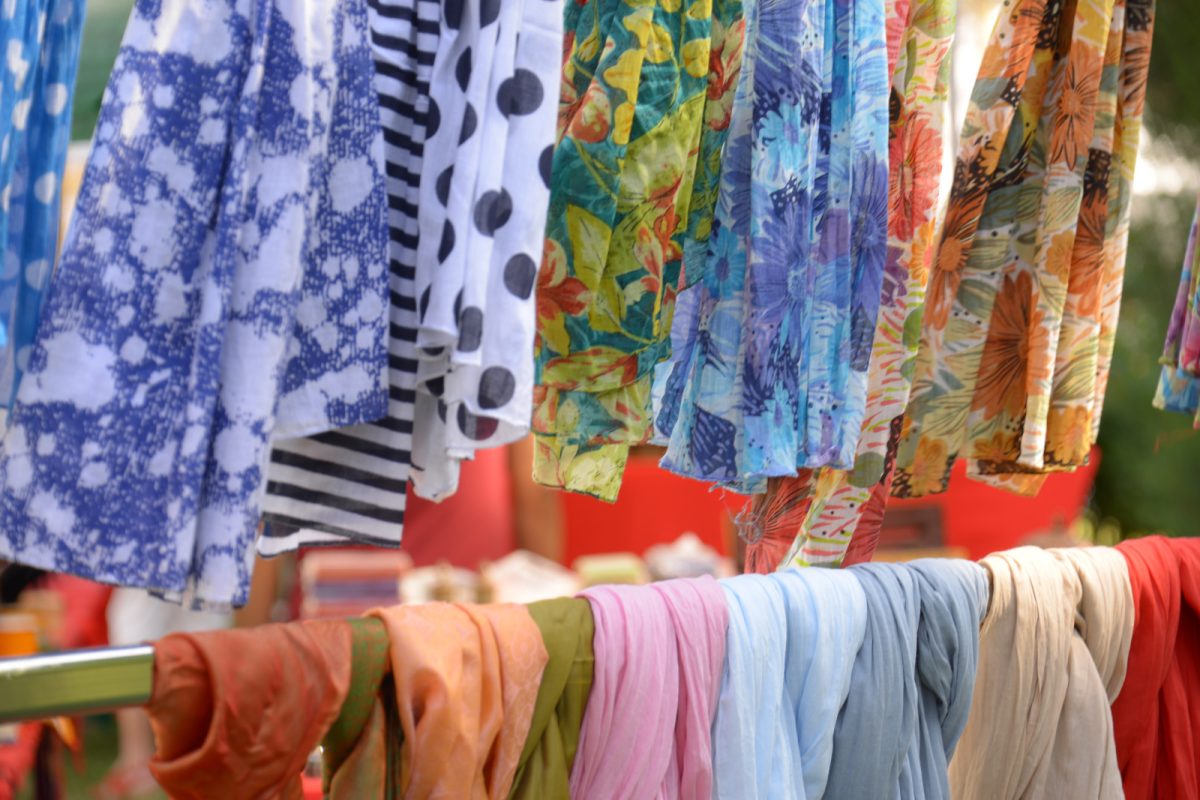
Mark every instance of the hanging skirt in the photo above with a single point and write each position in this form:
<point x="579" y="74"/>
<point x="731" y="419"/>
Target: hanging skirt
<point x="223" y="280"/>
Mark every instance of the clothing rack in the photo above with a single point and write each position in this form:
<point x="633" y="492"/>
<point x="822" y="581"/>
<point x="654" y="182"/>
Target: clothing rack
<point x="75" y="682"/>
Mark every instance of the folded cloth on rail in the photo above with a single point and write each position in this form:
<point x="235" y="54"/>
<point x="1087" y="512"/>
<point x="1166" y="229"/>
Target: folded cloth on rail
<point x="792" y="641"/>
<point x="236" y="713"/>
<point x="545" y="766"/>
<point x="1052" y="656"/>
<point x="466" y="678"/>
<point x="647" y="728"/>
<point x="1156" y="718"/>
<point x="912" y="682"/>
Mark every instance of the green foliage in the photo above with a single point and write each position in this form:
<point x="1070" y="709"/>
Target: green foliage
<point x="1149" y="471"/>
<point x="1173" y="102"/>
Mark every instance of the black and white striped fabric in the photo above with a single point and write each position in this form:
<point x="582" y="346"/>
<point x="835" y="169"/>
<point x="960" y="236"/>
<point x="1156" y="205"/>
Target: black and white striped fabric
<point x="350" y="485"/>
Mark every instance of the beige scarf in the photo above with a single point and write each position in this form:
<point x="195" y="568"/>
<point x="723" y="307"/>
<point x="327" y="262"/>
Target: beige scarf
<point x="1052" y="657"/>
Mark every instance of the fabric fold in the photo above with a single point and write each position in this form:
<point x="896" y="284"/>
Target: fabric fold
<point x="549" y="754"/>
<point x="647" y="729"/>
<point x="466" y="678"/>
<point x="1156" y="717"/>
<point x="912" y="681"/>
<point x="792" y="641"/>
<point x="187" y="322"/>
<point x="236" y="713"/>
<point x="1052" y="656"/>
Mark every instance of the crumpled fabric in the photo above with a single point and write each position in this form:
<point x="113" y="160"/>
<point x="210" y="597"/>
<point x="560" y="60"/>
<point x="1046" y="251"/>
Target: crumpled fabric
<point x="466" y="678"/>
<point x="549" y="754"/>
<point x="361" y="750"/>
<point x="236" y="713"/>
<point x="912" y="682"/>
<point x="1156" y="717"/>
<point x="1052" y="657"/>
<point x="647" y="729"/>
<point x="792" y="642"/>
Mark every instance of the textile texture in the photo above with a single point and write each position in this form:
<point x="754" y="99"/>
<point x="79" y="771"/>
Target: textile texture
<point x="1024" y="295"/>
<point x="912" y="681"/>
<point x="1053" y="652"/>
<point x="774" y="342"/>
<point x="466" y="678"/>
<point x="647" y="728"/>
<point x="549" y="755"/>
<point x="632" y="125"/>
<point x="1179" y="383"/>
<point x="350" y="485"/>
<point x="484" y="193"/>
<point x="237" y="163"/>
<point x="226" y="730"/>
<point x="1156" y="717"/>
<point x="42" y="40"/>
<point x="790" y="650"/>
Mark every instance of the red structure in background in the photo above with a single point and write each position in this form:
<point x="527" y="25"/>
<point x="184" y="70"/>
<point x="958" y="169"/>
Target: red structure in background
<point x="656" y="506"/>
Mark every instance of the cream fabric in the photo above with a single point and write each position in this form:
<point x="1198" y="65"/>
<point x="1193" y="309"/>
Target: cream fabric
<point x="1052" y="657"/>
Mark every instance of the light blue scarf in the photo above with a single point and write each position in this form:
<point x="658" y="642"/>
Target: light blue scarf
<point x="911" y="686"/>
<point x="792" y="639"/>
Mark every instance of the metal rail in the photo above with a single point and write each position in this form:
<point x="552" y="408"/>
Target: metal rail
<point x="75" y="682"/>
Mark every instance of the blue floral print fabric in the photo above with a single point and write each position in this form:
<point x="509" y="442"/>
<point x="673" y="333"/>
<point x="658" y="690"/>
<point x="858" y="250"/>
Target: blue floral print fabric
<point x="223" y="280"/>
<point x="772" y="346"/>
<point x="42" y="45"/>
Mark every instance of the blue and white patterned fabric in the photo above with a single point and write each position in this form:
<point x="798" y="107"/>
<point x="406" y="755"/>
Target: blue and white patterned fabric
<point x="771" y="347"/>
<point x="223" y="281"/>
<point x="42" y="40"/>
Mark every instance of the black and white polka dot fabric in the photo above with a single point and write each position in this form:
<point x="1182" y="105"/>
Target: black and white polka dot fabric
<point x="482" y="217"/>
<point x="350" y="485"/>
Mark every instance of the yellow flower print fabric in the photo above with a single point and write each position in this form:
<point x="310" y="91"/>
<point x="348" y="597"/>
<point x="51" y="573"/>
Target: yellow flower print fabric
<point x="645" y="101"/>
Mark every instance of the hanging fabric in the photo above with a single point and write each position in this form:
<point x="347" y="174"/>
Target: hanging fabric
<point x="349" y="486"/>
<point x="647" y="728"/>
<point x="632" y="125"/>
<point x="236" y="167"/>
<point x="42" y="40"/>
<point x="1156" y="717"/>
<point x="912" y="681"/>
<point x="1024" y="295"/>
<point x="1179" y="382"/>
<point x="790" y="650"/>
<point x="770" y="375"/>
<point x="1052" y="657"/>
<point x="829" y="506"/>
<point x="465" y="680"/>
<point x="484" y="194"/>
<point x="549" y="755"/>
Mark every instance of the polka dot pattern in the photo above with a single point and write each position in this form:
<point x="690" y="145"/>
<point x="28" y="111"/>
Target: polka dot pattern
<point x="496" y="84"/>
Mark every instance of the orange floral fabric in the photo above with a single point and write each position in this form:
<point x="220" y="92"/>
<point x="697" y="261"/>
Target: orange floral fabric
<point x="1023" y="298"/>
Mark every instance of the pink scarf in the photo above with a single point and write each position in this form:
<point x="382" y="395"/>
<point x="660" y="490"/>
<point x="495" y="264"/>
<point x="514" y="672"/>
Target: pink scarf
<point x="647" y="729"/>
